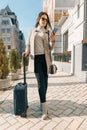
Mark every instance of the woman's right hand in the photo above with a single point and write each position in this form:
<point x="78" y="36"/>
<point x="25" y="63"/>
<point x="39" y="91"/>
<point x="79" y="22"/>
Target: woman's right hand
<point x="25" y="54"/>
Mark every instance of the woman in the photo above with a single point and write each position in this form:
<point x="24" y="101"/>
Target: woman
<point x="38" y="50"/>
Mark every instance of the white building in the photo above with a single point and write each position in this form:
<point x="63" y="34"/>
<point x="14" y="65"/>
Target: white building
<point x="72" y="35"/>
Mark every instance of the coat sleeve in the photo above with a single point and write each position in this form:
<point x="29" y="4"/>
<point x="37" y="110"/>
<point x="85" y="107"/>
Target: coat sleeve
<point x="28" y="42"/>
<point x="51" y="46"/>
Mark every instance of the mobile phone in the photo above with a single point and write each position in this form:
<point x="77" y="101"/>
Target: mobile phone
<point x="54" y="30"/>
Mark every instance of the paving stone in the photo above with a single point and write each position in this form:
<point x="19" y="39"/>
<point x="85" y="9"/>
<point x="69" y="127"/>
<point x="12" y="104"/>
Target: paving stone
<point x="4" y="126"/>
<point x="62" y="125"/>
<point x="38" y="126"/>
<point x="50" y="126"/>
<point x="66" y="100"/>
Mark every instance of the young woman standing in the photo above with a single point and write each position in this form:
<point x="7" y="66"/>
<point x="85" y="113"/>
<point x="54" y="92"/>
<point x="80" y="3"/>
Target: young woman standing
<point x="39" y="50"/>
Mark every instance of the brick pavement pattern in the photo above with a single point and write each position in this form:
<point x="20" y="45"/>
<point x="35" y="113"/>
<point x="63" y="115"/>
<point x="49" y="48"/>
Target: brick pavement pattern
<point x="66" y="99"/>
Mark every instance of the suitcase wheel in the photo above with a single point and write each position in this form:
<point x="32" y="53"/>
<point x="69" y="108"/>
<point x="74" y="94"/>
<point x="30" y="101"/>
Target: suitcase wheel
<point x="23" y="115"/>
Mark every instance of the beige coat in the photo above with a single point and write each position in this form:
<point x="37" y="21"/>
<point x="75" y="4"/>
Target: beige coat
<point x="30" y="49"/>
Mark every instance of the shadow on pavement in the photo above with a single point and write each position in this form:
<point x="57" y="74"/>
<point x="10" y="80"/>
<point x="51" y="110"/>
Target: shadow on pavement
<point x="58" y="84"/>
<point x="50" y="76"/>
<point x="58" y="108"/>
<point x="59" y="76"/>
<point x="67" y="108"/>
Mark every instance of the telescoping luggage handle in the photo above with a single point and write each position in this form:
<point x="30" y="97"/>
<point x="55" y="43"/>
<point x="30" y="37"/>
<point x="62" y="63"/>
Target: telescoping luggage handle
<point x="24" y="69"/>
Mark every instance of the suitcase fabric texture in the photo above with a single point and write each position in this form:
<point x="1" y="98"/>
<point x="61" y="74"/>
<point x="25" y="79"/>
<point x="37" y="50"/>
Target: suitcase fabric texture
<point x="20" y="96"/>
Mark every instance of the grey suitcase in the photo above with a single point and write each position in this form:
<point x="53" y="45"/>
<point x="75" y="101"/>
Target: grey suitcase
<point x="20" y="97"/>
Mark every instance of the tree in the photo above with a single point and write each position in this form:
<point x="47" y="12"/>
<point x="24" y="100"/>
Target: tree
<point x="4" y="70"/>
<point x="14" y="61"/>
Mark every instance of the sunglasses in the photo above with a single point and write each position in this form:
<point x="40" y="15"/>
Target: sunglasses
<point x="44" y="19"/>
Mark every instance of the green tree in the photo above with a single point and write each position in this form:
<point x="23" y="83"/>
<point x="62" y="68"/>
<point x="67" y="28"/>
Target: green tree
<point x="4" y="70"/>
<point x="14" y="61"/>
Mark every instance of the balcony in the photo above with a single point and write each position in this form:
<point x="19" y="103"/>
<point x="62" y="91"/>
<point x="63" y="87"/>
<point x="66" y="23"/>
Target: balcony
<point x="60" y="16"/>
<point x="64" y="4"/>
<point x="63" y="57"/>
<point x="62" y="20"/>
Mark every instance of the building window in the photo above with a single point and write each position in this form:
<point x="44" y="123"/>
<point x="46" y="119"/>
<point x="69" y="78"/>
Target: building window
<point x="4" y="39"/>
<point x="8" y="38"/>
<point x="65" y="41"/>
<point x="78" y="8"/>
<point x="8" y="30"/>
<point x="3" y="30"/>
<point x="84" y="57"/>
<point x="78" y="11"/>
<point x="5" y="22"/>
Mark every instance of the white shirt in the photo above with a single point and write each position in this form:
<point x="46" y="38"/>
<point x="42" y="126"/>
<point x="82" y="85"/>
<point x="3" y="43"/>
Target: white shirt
<point x="39" y="41"/>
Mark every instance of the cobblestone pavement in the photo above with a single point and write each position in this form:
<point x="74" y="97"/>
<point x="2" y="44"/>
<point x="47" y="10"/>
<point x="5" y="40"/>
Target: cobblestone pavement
<point x="66" y="99"/>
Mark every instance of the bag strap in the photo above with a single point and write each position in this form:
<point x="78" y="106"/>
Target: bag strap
<point x="48" y="32"/>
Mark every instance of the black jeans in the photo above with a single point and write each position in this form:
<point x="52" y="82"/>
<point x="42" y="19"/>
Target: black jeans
<point x="41" y="76"/>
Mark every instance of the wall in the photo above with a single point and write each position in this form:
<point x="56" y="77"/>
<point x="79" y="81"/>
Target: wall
<point x="74" y="25"/>
<point x="63" y="66"/>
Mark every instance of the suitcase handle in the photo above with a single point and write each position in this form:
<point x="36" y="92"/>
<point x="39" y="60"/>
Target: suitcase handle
<point x="24" y="71"/>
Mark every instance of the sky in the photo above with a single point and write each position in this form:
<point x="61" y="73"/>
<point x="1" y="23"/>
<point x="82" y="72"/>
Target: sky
<point x="26" y="12"/>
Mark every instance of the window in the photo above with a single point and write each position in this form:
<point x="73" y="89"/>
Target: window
<point x="8" y="30"/>
<point x="78" y="10"/>
<point x="4" y="39"/>
<point x="3" y="30"/>
<point x="8" y="38"/>
<point x="65" y="41"/>
<point x="5" y="22"/>
<point x="84" y="57"/>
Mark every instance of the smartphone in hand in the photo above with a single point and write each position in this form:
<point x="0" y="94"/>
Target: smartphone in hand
<point x="54" y="30"/>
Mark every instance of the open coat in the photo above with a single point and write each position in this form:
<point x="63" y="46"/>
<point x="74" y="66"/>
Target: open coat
<point x="30" y="49"/>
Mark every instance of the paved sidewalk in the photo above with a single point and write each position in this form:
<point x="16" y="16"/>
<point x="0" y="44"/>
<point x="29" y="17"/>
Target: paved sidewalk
<point x="66" y="99"/>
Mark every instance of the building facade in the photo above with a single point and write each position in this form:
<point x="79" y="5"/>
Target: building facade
<point x="71" y="20"/>
<point x="55" y="15"/>
<point x="9" y="30"/>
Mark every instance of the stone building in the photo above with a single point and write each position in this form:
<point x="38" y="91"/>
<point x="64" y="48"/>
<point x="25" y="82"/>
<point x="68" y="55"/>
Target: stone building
<point x="9" y="31"/>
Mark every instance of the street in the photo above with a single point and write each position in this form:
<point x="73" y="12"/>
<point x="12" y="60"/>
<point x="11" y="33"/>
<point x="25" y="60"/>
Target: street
<point x="66" y="99"/>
